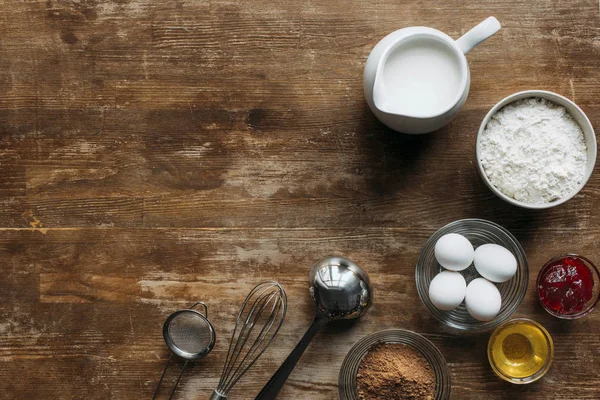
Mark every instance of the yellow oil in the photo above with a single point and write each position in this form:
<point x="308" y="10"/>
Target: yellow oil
<point x="520" y="349"/>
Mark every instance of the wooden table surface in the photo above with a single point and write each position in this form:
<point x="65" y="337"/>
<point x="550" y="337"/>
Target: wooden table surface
<point x="155" y="153"/>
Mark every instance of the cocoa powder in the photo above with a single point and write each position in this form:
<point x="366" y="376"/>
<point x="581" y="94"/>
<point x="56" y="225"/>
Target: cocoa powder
<point x="395" y="372"/>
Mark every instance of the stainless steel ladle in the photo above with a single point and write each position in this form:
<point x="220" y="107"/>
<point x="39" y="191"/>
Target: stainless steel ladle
<point x="341" y="290"/>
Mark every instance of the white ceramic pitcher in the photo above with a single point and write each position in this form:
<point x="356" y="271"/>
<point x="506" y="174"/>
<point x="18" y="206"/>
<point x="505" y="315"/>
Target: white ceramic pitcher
<point x="442" y="78"/>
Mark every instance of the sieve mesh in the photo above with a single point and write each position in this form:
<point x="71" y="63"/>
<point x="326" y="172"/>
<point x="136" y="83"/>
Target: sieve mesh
<point x="190" y="333"/>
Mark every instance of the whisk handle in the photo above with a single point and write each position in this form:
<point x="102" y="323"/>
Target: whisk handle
<point x="272" y="388"/>
<point x="217" y="396"/>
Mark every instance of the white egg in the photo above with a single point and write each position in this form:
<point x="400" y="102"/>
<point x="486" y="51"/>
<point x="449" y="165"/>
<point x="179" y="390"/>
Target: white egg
<point x="483" y="299"/>
<point x="454" y="252"/>
<point x="495" y="263"/>
<point x="447" y="290"/>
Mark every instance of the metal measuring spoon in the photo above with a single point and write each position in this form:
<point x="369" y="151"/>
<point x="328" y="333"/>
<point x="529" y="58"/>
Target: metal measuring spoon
<point x="341" y="290"/>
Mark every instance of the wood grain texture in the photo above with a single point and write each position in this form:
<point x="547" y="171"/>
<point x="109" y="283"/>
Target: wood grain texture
<point x="157" y="153"/>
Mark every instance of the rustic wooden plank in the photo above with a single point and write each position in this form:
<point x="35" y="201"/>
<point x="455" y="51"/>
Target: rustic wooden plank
<point x="152" y="153"/>
<point x="89" y="170"/>
<point x="93" y="300"/>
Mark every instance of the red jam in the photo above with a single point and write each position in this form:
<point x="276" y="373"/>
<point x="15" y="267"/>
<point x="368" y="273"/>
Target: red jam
<point x="566" y="285"/>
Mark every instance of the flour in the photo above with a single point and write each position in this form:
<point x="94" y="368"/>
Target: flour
<point x="534" y="151"/>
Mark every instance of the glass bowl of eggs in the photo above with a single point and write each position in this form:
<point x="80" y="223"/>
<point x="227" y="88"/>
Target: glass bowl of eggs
<point x="472" y="275"/>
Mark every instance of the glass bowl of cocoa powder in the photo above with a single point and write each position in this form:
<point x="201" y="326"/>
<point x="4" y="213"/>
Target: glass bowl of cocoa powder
<point x="394" y="364"/>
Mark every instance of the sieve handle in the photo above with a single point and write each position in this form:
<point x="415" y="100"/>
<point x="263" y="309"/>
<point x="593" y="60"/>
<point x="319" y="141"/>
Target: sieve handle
<point x="162" y="376"/>
<point x="178" y="379"/>
<point x="199" y="303"/>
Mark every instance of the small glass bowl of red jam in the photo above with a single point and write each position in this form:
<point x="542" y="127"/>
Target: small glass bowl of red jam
<point x="568" y="286"/>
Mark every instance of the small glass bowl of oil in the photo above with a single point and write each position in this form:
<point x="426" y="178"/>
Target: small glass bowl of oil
<point x="520" y="351"/>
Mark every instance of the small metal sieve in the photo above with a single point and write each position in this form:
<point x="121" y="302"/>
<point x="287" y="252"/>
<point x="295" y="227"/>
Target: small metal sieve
<point x="190" y="335"/>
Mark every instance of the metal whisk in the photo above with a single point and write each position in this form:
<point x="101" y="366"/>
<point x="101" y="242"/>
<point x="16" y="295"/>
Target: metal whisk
<point x="257" y="324"/>
<point x="190" y="335"/>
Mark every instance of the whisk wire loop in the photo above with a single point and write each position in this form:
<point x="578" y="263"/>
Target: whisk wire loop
<point x="249" y="355"/>
<point x="258" y="322"/>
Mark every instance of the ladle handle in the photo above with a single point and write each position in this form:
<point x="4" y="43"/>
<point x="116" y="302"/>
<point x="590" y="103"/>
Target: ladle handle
<point x="478" y="34"/>
<point x="272" y="388"/>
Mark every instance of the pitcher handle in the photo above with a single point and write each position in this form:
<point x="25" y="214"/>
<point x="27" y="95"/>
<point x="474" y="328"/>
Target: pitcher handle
<point x="478" y="34"/>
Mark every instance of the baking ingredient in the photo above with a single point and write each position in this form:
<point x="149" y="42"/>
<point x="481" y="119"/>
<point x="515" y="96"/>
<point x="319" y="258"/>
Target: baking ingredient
<point x="394" y="371"/>
<point x="495" y="263"/>
<point x="454" y="252"/>
<point x="566" y="285"/>
<point x="482" y="299"/>
<point x="534" y="151"/>
<point x="520" y="349"/>
<point x="447" y="290"/>
<point x="421" y="77"/>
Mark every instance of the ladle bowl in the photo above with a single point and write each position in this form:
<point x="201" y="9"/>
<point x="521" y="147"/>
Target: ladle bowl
<point x="340" y="288"/>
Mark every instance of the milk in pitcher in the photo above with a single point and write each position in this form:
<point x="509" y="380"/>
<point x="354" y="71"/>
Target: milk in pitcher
<point x="421" y="77"/>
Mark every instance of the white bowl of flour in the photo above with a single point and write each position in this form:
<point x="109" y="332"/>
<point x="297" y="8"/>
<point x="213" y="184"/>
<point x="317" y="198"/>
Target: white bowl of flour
<point x="536" y="149"/>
